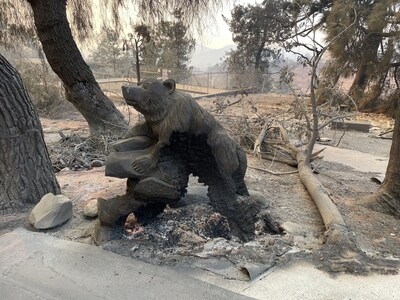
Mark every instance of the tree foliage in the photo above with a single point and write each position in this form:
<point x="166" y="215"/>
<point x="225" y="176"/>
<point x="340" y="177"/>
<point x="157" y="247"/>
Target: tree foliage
<point x="16" y="23"/>
<point x="369" y="49"/>
<point x="166" y="45"/>
<point x="51" y="20"/>
<point x="367" y="52"/>
<point x="109" y="49"/>
<point x="138" y="42"/>
<point x="85" y="17"/>
<point x="174" y="43"/>
<point x="256" y="29"/>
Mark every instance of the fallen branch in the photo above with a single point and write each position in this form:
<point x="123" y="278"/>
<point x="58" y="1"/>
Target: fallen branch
<point x="272" y="172"/>
<point x="315" y="154"/>
<point x="386" y="132"/>
<point x="260" y="139"/>
<point x="328" y="210"/>
<point x="290" y="162"/>
<point x="283" y="133"/>
<point x="224" y="107"/>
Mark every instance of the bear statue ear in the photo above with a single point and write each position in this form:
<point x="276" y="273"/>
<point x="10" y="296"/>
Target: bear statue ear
<point x="170" y="84"/>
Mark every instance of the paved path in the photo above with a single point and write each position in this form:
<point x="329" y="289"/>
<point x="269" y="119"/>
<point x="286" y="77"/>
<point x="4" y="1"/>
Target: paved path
<point x="303" y="282"/>
<point x="360" y="161"/>
<point x="36" y="266"/>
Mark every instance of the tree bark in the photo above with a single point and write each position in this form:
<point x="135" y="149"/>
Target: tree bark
<point x="67" y="62"/>
<point x="387" y="198"/>
<point x="363" y="74"/>
<point x="26" y="172"/>
<point x="328" y="210"/>
<point x="359" y="83"/>
<point x="137" y="61"/>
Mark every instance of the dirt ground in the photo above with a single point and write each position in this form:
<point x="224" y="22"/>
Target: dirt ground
<point x="173" y="238"/>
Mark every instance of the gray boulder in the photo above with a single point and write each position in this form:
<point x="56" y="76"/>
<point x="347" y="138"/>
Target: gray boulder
<point x="52" y="210"/>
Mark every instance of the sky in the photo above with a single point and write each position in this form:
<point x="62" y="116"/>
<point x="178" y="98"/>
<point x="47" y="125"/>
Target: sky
<point x="218" y="35"/>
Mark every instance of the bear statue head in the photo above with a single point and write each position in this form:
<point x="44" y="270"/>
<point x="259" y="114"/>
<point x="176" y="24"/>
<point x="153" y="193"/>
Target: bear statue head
<point x="151" y="97"/>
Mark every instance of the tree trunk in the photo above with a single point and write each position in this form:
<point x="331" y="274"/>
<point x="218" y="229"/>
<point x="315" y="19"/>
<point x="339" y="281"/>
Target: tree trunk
<point x="363" y="74"/>
<point x="26" y="173"/>
<point x="137" y="61"/>
<point x="387" y="198"/>
<point x="357" y="88"/>
<point x="67" y="62"/>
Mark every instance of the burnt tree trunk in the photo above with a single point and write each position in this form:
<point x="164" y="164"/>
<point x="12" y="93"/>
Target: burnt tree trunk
<point x="67" y="62"/>
<point x="26" y="173"/>
<point x="387" y="198"/>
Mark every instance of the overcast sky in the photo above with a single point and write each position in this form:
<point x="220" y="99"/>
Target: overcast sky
<point x="218" y="35"/>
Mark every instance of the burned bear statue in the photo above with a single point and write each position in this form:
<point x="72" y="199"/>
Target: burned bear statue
<point x="178" y="138"/>
<point x="168" y="111"/>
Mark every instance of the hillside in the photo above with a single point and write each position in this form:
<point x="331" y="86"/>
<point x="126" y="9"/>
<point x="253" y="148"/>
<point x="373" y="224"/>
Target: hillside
<point x="204" y="57"/>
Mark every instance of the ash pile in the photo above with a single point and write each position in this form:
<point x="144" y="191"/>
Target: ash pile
<point x="191" y="233"/>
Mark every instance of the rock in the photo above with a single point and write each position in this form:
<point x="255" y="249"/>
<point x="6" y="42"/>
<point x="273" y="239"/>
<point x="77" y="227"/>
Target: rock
<point x="292" y="228"/>
<point x="90" y="210"/>
<point x="97" y="163"/>
<point x="259" y="198"/>
<point x="268" y="223"/>
<point x="183" y="237"/>
<point x="51" y="211"/>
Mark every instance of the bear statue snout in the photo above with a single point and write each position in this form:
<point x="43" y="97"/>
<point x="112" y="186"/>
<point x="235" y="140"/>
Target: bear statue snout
<point x="131" y="94"/>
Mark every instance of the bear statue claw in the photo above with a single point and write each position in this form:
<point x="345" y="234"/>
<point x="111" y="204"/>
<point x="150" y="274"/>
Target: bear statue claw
<point x="143" y="164"/>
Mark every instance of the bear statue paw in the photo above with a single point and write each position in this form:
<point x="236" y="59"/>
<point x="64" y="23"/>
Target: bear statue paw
<point x="143" y="164"/>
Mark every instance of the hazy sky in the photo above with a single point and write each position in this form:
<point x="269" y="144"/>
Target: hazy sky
<point x="218" y="35"/>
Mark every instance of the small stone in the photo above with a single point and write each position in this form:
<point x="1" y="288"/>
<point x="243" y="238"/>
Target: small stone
<point x="183" y="237"/>
<point x="90" y="210"/>
<point x="97" y="163"/>
<point x="51" y="211"/>
<point x="259" y="198"/>
<point x="134" y="248"/>
<point x="217" y="247"/>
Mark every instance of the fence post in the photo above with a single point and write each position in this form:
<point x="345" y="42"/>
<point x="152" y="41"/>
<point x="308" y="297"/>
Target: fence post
<point x="208" y="82"/>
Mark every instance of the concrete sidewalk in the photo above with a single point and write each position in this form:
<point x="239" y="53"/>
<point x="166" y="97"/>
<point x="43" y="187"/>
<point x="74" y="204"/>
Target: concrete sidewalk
<point x="302" y="281"/>
<point x="359" y="161"/>
<point x="34" y="265"/>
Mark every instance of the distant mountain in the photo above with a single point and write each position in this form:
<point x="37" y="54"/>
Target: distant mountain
<point x="204" y="57"/>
